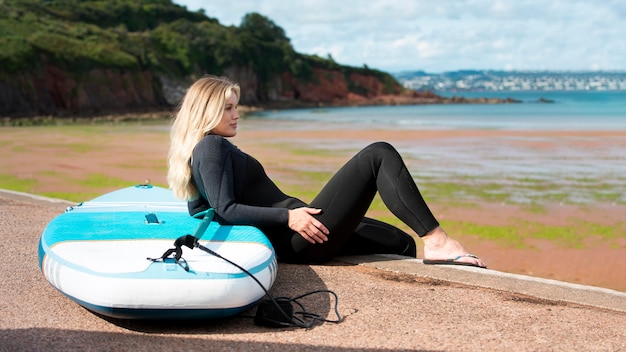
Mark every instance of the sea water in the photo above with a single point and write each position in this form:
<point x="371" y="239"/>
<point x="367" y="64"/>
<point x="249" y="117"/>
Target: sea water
<point x="564" y="110"/>
<point x="524" y="168"/>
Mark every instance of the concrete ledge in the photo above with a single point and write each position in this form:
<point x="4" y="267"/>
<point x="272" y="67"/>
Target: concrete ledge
<point x="21" y="196"/>
<point x="527" y="285"/>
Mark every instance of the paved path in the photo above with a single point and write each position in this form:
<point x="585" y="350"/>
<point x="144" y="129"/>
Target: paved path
<point x="389" y="303"/>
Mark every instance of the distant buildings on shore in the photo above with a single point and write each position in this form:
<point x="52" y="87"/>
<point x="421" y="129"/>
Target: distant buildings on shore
<point x="512" y="80"/>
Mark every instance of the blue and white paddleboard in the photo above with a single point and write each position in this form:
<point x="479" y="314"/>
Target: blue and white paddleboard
<point x="96" y="253"/>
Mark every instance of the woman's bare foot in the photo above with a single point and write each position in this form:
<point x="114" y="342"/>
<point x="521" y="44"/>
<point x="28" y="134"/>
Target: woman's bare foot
<point x="439" y="246"/>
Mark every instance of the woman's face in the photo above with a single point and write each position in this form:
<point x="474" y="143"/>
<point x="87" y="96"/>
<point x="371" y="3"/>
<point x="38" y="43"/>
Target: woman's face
<point x="228" y="125"/>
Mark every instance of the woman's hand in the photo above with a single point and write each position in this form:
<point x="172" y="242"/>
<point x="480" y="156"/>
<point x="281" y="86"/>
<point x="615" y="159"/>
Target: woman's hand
<point x="311" y="229"/>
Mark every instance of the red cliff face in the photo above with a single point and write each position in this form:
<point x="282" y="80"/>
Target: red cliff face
<point x="54" y="91"/>
<point x="328" y="86"/>
<point x="372" y="86"/>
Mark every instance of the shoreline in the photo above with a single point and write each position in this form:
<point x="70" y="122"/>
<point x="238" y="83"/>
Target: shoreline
<point x="162" y="113"/>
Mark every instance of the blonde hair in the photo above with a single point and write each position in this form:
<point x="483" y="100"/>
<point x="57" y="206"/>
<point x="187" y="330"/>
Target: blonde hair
<point x="200" y="111"/>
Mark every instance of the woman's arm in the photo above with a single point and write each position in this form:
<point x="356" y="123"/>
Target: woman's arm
<point x="215" y="163"/>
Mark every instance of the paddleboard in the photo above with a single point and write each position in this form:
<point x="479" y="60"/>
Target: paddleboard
<point x="99" y="254"/>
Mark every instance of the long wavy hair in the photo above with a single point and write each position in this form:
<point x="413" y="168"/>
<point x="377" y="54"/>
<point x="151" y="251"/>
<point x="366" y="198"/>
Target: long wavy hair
<point x="200" y="111"/>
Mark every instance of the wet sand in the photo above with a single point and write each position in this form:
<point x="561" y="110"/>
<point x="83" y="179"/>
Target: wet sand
<point x="87" y="161"/>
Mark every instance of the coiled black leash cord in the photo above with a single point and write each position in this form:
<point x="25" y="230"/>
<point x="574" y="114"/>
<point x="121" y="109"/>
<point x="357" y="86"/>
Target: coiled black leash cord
<point x="274" y="312"/>
<point x="267" y="316"/>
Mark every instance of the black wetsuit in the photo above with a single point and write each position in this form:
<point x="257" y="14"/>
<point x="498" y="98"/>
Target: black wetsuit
<point x="237" y="187"/>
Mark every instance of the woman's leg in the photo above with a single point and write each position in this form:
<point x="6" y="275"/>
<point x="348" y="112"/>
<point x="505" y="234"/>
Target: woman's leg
<point x="376" y="237"/>
<point x="346" y="198"/>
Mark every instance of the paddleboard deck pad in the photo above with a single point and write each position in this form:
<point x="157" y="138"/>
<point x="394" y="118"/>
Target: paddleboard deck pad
<point x="99" y="252"/>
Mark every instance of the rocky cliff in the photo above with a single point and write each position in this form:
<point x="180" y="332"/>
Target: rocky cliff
<point x="329" y="86"/>
<point x="54" y="91"/>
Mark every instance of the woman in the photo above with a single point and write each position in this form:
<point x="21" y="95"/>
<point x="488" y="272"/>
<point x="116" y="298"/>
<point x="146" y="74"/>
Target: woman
<point x="208" y="171"/>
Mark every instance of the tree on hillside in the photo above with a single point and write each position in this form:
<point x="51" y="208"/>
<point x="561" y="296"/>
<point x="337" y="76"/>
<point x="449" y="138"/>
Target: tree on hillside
<point x="266" y="46"/>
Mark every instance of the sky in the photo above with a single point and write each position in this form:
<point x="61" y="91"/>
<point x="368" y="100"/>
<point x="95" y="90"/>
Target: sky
<point x="446" y="35"/>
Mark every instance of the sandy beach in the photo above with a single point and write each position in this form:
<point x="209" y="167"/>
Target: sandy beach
<point x="83" y="161"/>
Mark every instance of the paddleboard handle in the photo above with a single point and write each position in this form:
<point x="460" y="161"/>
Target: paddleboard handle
<point x="188" y="241"/>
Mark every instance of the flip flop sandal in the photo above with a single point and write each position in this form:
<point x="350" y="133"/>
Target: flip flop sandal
<point x="452" y="261"/>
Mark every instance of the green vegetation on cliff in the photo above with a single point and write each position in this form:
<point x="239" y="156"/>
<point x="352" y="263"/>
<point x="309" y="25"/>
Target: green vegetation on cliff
<point x="158" y="36"/>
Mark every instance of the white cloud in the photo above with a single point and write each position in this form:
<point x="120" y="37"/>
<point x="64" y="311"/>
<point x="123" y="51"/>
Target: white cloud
<point x="446" y="35"/>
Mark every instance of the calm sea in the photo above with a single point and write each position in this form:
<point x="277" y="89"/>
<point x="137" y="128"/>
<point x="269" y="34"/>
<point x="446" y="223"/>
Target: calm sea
<point x="569" y="110"/>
